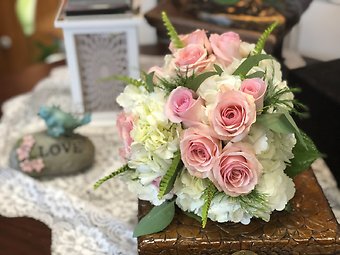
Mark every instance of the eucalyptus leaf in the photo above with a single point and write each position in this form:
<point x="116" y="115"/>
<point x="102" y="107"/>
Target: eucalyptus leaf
<point x="297" y="130"/>
<point x="258" y="74"/>
<point x="156" y="220"/>
<point x="149" y="81"/>
<point x="304" y="156"/>
<point x="194" y="216"/>
<point x="249" y="63"/>
<point x="276" y="122"/>
<point x="195" y="82"/>
<point x="218" y="69"/>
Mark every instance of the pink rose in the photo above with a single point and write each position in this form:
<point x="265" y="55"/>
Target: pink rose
<point x="193" y="59"/>
<point x="182" y="106"/>
<point x="125" y="125"/>
<point x="236" y="171"/>
<point x="233" y="115"/>
<point x="196" y="37"/>
<point x="199" y="151"/>
<point x="255" y="87"/>
<point x="226" y="47"/>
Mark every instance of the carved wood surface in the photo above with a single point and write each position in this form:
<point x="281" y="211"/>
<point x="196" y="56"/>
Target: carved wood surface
<point x="310" y="228"/>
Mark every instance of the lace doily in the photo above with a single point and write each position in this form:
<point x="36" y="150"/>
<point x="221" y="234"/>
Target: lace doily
<point x="83" y="220"/>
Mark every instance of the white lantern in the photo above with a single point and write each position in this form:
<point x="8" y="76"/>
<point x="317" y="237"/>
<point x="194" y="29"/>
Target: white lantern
<point x="97" y="47"/>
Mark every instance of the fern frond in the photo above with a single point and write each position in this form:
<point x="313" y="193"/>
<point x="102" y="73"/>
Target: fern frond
<point x="169" y="178"/>
<point x="129" y="80"/>
<point x="263" y="38"/>
<point x="172" y="32"/>
<point x="113" y="174"/>
<point x="208" y="196"/>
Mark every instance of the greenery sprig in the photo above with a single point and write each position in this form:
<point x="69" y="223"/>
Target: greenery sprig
<point x="255" y="203"/>
<point x="263" y="38"/>
<point x="119" y="171"/>
<point x="172" y="32"/>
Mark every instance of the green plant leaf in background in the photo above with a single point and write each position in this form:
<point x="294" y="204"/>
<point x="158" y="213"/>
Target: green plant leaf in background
<point x="249" y="63"/>
<point x="156" y="220"/>
<point x="169" y="178"/>
<point x="304" y="155"/>
<point x="25" y="11"/>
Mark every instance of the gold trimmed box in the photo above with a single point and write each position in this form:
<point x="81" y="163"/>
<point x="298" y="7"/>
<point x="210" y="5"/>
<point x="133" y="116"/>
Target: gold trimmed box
<point x="310" y="228"/>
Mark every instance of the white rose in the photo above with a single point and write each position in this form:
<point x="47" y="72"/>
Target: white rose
<point x="214" y="84"/>
<point x="258" y="138"/>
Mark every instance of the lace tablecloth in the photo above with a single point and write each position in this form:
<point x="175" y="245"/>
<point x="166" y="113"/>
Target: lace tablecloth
<point x="83" y="221"/>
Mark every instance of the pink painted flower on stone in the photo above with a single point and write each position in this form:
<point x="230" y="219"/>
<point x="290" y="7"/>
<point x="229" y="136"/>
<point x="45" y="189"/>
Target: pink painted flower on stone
<point x="125" y="125"/>
<point x="22" y="153"/>
<point x="197" y="37"/>
<point x="226" y="47"/>
<point x="28" y="141"/>
<point x="236" y="171"/>
<point x="199" y="151"/>
<point x="255" y="87"/>
<point x="26" y="166"/>
<point x="232" y="115"/>
<point x="184" y="106"/>
<point x="193" y="59"/>
<point x="37" y="164"/>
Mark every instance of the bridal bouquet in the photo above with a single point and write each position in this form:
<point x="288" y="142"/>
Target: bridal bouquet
<point x="211" y="131"/>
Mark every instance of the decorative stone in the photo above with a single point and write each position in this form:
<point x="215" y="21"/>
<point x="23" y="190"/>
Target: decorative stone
<point x="41" y="155"/>
<point x="309" y="228"/>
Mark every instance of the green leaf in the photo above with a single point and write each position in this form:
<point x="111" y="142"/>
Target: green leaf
<point x="156" y="220"/>
<point x="281" y="123"/>
<point x="113" y="174"/>
<point x="304" y="156"/>
<point x="249" y="63"/>
<point x="150" y="86"/>
<point x="276" y="122"/>
<point x="258" y="74"/>
<point x="195" y="82"/>
<point x="169" y="178"/>
<point x="218" y="69"/>
<point x="208" y="196"/>
<point x="263" y="38"/>
<point x="194" y="216"/>
<point x="230" y="2"/>
<point x="172" y="32"/>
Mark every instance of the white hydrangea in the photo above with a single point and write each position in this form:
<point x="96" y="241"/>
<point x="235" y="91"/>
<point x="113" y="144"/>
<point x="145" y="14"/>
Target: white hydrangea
<point x="280" y="147"/>
<point x="224" y="208"/>
<point x="189" y="191"/>
<point x="278" y="187"/>
<point x="257" y="136"/>
<point x="147" y="192"/>
<point x="131" y="96"/>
